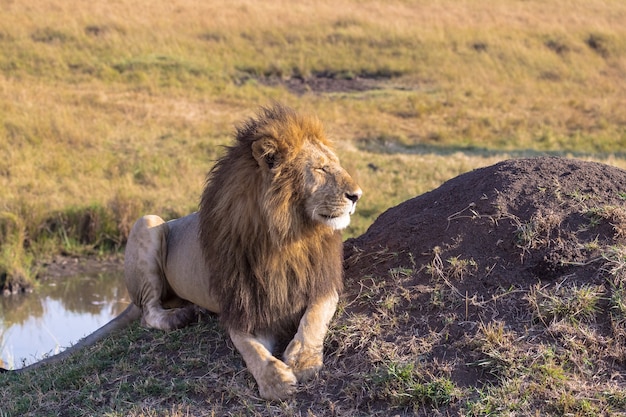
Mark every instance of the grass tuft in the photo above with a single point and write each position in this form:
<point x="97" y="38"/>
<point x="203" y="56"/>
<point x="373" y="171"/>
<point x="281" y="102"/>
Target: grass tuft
<point x="404" y="386"/>
<point x="571" y="303"/>
<point x="15" y="260"/>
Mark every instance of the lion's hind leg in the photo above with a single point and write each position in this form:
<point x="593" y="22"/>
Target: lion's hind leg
<point x="145" y="255"/>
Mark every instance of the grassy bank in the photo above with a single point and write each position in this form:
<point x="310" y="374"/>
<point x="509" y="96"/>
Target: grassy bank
<point x="113" y="110"/>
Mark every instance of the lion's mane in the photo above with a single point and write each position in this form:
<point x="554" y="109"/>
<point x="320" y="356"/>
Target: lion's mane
<point x="269" y="259"/>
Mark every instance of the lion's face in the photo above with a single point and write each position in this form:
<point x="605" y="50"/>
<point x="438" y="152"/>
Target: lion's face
<point x="330" y="193"/>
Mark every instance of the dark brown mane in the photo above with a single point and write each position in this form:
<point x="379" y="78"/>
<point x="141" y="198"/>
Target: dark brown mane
<point x="267" y="258"/>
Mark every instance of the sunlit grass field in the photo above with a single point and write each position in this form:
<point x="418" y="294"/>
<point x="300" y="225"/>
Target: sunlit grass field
<point x="109" y="110"/>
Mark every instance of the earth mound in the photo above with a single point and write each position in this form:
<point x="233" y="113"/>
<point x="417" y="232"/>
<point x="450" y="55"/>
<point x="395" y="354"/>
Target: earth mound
<point x="506" y="285"/>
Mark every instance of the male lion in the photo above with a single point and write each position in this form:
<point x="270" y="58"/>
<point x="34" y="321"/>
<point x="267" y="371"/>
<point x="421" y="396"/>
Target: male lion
<point x="264" y="250"/>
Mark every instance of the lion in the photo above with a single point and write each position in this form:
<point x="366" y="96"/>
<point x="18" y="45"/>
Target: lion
<point x="264" y="250"/>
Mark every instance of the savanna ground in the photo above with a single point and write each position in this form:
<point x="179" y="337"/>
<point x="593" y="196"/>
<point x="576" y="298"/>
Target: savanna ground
<point x="477" y="303"/>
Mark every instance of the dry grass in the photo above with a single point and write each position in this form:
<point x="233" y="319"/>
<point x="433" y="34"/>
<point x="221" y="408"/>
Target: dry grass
<point x="110" y="110"/>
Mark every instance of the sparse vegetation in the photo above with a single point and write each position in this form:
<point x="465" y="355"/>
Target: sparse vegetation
<point x="109" y="111"/>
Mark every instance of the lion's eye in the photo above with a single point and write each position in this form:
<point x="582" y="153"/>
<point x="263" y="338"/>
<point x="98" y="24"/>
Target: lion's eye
<point x="323" y="170"/>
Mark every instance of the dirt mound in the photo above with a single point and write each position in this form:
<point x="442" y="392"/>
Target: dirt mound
<point x="507" y="276"/>
<point x="519" y="220"/>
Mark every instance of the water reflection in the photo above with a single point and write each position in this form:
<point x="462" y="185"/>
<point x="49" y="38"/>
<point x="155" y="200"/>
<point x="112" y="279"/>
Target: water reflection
<point x="56" y="315"/>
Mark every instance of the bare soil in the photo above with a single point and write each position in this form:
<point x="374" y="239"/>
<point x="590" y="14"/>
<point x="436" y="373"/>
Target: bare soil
<point x="478" y="215"/>
<point x="65" y="266"/>
<point x="325" y="83"/>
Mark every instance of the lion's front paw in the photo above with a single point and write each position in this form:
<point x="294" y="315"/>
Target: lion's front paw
<point x="277" y="381"/>
<point x="303" y="360"/>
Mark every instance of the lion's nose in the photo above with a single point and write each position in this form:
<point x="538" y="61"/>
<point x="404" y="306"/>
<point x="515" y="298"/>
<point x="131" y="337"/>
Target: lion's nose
<point x="354" y="195"/>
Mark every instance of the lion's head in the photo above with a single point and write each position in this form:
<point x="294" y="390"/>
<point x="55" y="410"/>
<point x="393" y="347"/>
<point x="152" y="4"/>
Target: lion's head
<point x="304" y="183"/>
<point x="270" y="217"/>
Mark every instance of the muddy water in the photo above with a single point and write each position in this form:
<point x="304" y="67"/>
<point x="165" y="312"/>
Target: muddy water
<point x="56" y="315"/>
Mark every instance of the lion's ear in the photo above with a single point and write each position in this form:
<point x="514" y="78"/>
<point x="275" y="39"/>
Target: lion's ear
<point x="265" y="153"/>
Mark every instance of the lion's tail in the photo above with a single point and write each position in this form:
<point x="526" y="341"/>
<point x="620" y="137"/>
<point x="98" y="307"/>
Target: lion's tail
<point x="126" y="317"/>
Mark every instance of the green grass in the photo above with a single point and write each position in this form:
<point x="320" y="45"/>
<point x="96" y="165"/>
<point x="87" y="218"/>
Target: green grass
<point x="405" y="386"/>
